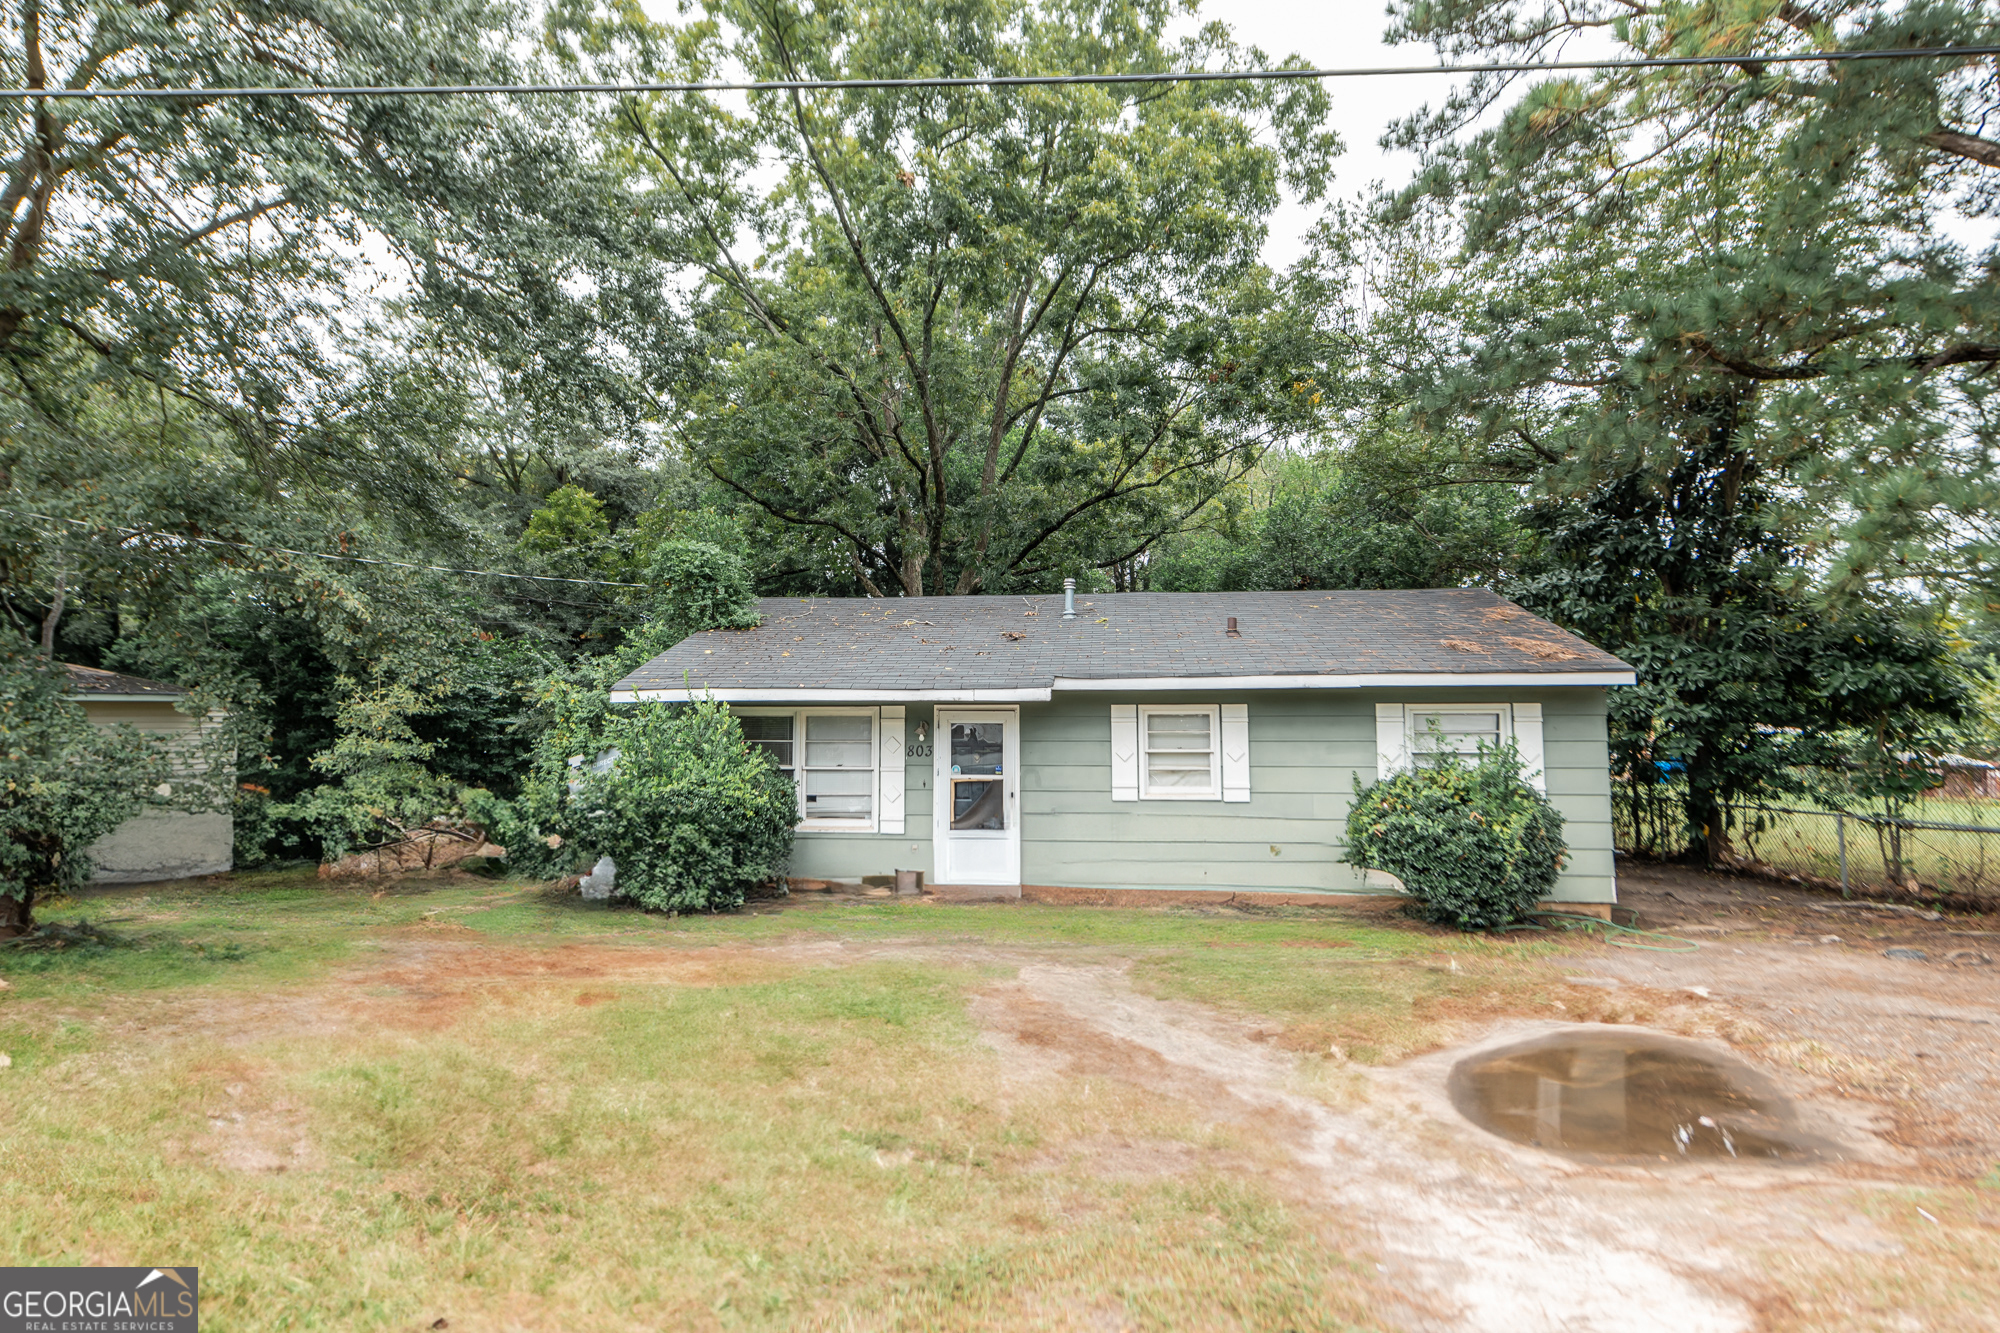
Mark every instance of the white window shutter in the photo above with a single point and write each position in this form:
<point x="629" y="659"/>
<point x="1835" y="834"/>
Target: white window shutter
<point x="1124" y="752"/>
<point x="889" y="770"/>
<point x="1391" y="745"/>
<point x="1528" y="740"/>
<point x="1236" y="752"/>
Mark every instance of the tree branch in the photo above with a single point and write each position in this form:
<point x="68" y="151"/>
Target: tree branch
<point x="1969" y="146"/>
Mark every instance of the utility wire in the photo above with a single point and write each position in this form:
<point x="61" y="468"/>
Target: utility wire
<point x="995" y="80"/>
<point x="315" y="555"/>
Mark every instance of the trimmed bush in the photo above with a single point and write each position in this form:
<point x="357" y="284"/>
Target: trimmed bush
<point x="691" y="813"/>
<point x="1474" y="844"/>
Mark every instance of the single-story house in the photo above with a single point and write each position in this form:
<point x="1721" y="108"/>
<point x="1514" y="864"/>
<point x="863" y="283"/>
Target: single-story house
<point x="153" y="844"/>
<point x="1169" y="741"/>
<point x="1966" y="779"/>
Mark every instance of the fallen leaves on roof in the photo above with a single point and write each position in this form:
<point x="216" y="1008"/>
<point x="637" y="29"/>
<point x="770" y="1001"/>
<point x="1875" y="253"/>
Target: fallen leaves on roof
<point x="1546" y="650"/>
<point x="1464" y="646"/>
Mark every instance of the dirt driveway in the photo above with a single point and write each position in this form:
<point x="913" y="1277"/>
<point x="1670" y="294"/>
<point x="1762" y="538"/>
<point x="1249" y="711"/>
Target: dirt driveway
<point x="1883" y="1024"/>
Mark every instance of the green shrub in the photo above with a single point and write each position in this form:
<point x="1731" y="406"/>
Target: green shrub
<point x="691" y="814"/>
<point x="1473" y="843"/>
<point x="63" y="785"/>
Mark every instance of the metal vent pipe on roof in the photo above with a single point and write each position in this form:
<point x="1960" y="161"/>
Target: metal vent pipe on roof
<point x="1069" y="599"/>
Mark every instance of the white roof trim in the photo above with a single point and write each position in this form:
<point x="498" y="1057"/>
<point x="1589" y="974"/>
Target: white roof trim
<point x="1138" y="685"/>
<point x="90" y="697"/>
<point x="1387" y="680"/>
<point x="682" y="693"/>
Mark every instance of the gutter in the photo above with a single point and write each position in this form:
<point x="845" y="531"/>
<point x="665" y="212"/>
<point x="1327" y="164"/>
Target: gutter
<point x="1136" y="685"/>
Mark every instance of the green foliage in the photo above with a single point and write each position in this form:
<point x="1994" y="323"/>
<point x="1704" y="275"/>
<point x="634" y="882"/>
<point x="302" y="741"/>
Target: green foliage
<point x="692" y="814"/>
<point x="696" y="586"/>
<point x="63" y="785"/>
<point x="571" y="527"/>
<point x="985" y="338"/>
<point x="1742" y="674"/>
<point x="1758" y="253"/>
<point x="1473" y="843"/>
<point x="200" y="248"/>
<point x="1343" y="521"/>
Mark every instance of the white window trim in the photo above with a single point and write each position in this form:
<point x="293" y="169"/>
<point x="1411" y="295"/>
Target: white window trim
<point x="1214" y="789"/>
<point x="1396" y="731"/>
<point x="1411" y="712"/>
<point x="875" y="765"/>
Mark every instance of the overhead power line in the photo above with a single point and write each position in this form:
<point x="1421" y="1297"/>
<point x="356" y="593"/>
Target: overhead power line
<point x="315" y="555"/>
<point x="996" y="80"/>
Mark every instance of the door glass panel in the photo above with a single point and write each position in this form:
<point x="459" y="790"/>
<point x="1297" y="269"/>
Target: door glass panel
<point x="978" y="803"/>
<point x="976" y="747"/>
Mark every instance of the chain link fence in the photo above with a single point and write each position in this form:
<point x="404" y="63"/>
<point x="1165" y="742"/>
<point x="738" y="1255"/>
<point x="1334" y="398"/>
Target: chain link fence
<point x="1936" y="847"/>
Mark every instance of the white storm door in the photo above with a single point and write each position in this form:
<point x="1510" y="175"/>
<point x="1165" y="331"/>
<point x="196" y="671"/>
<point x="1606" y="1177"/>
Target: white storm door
<point x="976" y="806"/>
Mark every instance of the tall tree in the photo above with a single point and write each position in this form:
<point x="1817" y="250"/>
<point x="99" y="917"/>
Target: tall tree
<point x="971" y="336"/>
<point x="1649" y="256"/>
<point x="1746" y="682"/>
<point x="211" y="248"/>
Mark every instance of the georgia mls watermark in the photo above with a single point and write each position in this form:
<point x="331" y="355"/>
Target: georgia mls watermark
<point x="100" y="1300"/>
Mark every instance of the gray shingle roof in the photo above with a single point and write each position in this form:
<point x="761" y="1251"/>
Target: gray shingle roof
<point x="95" y="682"/>
<point x="1022" y="644"/>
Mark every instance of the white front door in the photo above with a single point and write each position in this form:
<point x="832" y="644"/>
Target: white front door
<point x="975" y="807"/>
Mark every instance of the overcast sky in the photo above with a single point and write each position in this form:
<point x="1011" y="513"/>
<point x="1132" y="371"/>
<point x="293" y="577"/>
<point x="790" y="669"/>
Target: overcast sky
<point x="1333" y="34"/>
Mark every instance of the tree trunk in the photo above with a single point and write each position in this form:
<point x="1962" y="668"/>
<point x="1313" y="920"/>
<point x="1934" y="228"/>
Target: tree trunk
<point x="54" y="617"/>
<point x="1705" y="815"/>
<point x="17" y="916"/>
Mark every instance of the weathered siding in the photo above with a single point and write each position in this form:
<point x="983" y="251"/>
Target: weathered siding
<point x="849" y="856"/>
<point x="1308" y="751"/>
<point x="159" y="844"/>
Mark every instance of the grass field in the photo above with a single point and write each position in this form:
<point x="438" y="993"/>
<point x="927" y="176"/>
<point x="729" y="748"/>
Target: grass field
<point x="571" y="1116"/>
<point x="1951" y="859"/>
<point x="476" y="1102"/>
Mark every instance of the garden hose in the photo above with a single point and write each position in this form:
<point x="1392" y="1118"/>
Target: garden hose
<point x="1613" y="932"/>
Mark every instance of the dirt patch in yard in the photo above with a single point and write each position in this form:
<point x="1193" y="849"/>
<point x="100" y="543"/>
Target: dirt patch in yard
<point x="1889" y="1006"/>
<point x="1891" y="1057"/>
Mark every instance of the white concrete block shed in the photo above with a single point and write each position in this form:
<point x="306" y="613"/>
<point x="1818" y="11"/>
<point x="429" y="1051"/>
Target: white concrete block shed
<point x="1159" y="741"/>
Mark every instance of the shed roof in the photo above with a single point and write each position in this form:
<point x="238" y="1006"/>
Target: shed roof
<point x="1021" y="648"/>
<point x="97" y="683"/>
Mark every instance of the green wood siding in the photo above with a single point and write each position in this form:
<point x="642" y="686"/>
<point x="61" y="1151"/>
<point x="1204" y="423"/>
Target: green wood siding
<point x="1308" y="751"/>
<point x="849" y="856"/>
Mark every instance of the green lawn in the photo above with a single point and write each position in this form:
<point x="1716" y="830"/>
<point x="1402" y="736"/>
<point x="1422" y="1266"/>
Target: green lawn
<point x="1954" y="860"/>
<point x="474" y="1101"/>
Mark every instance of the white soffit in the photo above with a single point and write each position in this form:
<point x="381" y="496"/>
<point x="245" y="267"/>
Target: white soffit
<point x="1389" y="680"/>
<point x="681" y="694"/>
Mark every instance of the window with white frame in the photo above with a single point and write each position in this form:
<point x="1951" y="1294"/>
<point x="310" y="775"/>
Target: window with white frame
<point x="776" y="735"/>
<point x="1460" y="729"/>
<point x="839" y="785"/>
<point x="1180" y="753"/>
<point x="829" y="754"/>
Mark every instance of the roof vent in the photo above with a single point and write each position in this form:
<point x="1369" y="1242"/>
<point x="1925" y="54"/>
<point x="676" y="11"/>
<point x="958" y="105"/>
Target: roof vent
<point x="1233" y="632"/>
<point x="1069" y="600"/>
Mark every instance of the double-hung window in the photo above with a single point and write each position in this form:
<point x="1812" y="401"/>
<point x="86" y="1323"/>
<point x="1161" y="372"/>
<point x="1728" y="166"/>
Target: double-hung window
<point x="839" y="785"/>
<point x="1458" y="730"/>
<point x="829" y="755"/>
<point x="1407" y="734"/>
<point x="1181" y="751"/>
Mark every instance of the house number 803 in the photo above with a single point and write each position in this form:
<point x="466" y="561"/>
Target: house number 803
<point x="917" y="750"/>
